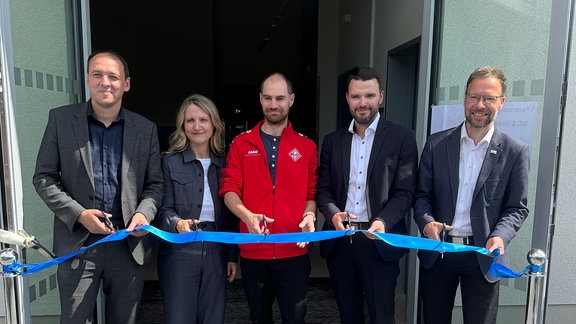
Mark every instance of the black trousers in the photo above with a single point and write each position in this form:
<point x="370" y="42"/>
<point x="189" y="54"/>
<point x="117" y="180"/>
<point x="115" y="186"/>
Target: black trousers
<point x="285" y="279"/>
<point x="439" y="284"/>
<point x="358" y="273"/>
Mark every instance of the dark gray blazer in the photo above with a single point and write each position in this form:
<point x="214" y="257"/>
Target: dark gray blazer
<point x="390" y="183"/>
<point x="499" y="203"/>
<point x="64" y="179"/>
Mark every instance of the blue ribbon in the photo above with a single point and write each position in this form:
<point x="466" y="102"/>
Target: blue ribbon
<point x="401" y="241"/>
<point x="21" y="269"/>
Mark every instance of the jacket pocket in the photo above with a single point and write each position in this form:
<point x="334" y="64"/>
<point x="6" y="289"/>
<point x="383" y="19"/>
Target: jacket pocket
<point x="495" y="189"/>
<point x="182" y="178"/>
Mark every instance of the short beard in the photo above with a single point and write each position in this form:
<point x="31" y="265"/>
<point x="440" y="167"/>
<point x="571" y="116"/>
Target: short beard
<point x="277" y="121"/>
<point x="365" y="120"/>
<point x="488" y="121"/>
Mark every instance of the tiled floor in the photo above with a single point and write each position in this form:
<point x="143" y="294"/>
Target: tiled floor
<point x="321" y="305"/>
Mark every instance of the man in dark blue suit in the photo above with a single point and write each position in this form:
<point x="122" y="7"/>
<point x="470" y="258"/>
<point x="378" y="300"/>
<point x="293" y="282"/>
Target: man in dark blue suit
<point x="473" y="187"/>
<point x="367" y="179"/>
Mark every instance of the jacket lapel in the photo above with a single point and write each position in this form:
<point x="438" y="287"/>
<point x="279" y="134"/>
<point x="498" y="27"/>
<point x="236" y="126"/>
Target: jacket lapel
<point x="345" y="158"/>
<point x="131" y="135"/>
<point x="81" y="132"/>
<point x="379" y="139"/>
<point x="453" y="153"/>
<point x="493" y="153"/>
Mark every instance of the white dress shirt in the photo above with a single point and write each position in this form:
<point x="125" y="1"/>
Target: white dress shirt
<point x="471" y="159"/>
<point x="359" y="158"/>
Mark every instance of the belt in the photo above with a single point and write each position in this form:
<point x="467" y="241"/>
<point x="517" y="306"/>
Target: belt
<point x="206" y="226"/>
<point x="360" y="225"/>
<point x="464" y="240"/>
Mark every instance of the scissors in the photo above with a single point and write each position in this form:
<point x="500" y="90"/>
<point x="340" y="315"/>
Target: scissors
<point x="107" y="222"/>
<point x="346" y="223"/>
<point x="265" y="230"/>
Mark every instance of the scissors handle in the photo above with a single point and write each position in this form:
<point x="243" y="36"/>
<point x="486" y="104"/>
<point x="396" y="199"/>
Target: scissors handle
<point x="107" y="222"/>
<point x="264" y="225"/>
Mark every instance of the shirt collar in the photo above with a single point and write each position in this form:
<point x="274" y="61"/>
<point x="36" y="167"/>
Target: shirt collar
<point x="189" y="156"/>
<point x="487" y="138"/>
<point x="370" y="129"/>
<point x="91" y="113"/>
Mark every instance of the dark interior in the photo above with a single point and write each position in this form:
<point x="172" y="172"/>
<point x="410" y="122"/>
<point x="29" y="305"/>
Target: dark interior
<point x="220" y="48"/>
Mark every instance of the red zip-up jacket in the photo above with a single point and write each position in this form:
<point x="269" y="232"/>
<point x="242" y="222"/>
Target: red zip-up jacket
<point x="247" y="174"/>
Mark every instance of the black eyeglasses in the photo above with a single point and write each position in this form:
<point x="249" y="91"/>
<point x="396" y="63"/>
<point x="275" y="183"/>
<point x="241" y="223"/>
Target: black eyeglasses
<point x="487" y="100"/>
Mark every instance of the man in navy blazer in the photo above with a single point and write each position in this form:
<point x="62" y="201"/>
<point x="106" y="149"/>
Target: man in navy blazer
<point x="472" y="189"/>
<point x="367" y="178"/>
<point x="98" y="170"/>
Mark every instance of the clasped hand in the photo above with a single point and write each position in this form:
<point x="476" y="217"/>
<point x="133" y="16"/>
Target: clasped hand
<point x="342" y="220"/>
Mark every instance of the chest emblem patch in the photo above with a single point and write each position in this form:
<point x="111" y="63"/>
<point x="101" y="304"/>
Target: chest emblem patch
<point x="295" y="155"/>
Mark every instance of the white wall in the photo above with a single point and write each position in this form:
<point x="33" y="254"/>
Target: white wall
<point x="396" y="22"/>
<point x="343" y="45"/>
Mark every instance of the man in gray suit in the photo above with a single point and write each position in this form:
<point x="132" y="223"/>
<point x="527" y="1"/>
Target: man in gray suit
<point x="98" y="170"/>
<point x="472" y="189"/>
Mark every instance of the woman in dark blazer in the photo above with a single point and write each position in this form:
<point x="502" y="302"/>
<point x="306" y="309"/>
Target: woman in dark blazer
<point x="193" y="275"/>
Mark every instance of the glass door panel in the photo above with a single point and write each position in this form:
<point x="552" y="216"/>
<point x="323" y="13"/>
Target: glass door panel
<point x="47" y="74"/>
<point x="513" y="35"/>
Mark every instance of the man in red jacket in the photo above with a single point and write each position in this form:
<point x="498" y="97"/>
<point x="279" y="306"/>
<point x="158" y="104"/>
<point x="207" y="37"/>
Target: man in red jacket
<point x="270" y="184"/>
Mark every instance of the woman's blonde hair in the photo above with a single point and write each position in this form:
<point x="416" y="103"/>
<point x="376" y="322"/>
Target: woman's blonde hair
<point x="178" y="139"/>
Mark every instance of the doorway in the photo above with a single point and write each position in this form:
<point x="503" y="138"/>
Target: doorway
<point x="220" y="48"/>
<point x="224" y="49"/>
<point x="402" y="84"/>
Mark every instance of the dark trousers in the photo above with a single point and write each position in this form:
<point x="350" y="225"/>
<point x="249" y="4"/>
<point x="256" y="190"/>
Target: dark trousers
<point x="192" y="279"/>
<point x="438" y="286"/>
<point x="284" y="279"/>
<point x="359" y="273"/>
<point x="79" y="280"/>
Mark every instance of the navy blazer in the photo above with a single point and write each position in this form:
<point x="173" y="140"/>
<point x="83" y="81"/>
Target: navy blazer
<point x="500" y="198"/>
<point x="183" y="197"/>
<point x="390" y="186"/>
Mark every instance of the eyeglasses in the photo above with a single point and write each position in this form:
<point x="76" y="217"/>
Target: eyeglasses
<point x="487" y="100"/>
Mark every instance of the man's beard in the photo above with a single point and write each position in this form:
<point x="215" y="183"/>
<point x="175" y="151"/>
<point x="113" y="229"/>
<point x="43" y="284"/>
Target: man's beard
<point x="489" y="119"/>
<point x="366" y="120"/>
<point x="277" y="119"/>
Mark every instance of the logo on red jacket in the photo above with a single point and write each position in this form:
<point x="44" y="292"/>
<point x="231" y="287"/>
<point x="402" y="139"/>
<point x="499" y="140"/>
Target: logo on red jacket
<point x="295" y="155"/>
